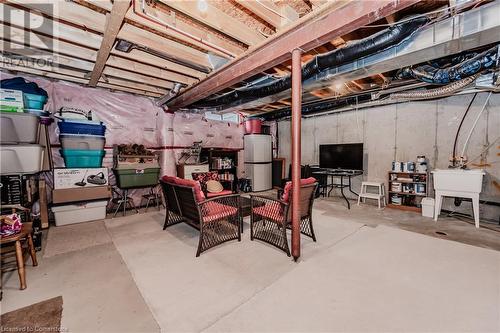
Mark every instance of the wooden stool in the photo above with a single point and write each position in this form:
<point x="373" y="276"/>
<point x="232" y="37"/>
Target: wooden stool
<point x="17" y="240"/>
<point x="379" y="196"/>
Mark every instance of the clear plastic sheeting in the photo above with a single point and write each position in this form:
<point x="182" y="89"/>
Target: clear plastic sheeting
<point x="135" y="119"/>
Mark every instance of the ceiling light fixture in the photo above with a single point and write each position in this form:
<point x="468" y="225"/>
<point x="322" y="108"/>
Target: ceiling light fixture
<point x="202" y="5"/>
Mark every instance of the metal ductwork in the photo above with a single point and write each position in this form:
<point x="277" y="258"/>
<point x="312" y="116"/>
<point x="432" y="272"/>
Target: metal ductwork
<point x="469" y="30"/>
<point x="168" y="96"/>
<point x="435" y="75"/>
<point x="126" y="46"/>
<point x="355" y="50"/>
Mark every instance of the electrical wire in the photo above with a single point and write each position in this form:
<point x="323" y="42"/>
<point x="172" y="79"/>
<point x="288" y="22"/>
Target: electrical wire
<point x="453" y="157"/>
<point x="474" y="125"/>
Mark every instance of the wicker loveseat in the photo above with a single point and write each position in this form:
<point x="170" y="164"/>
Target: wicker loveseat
<point x="271" y="217"/>
<point x="217" y="219"/>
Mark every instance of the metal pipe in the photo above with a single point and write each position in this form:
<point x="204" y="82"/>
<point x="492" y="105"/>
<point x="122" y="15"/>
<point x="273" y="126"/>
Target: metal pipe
<point x="151" y="18"/>
<point x="296" y="153"/>
<point x="168" y="96"/>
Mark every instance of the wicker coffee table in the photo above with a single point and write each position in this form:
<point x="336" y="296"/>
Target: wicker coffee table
<point x="246" y="208"/>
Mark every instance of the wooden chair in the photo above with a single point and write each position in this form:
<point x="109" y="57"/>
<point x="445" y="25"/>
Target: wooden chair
<point x="16" y="244"/>
<point x="271" y="217"/>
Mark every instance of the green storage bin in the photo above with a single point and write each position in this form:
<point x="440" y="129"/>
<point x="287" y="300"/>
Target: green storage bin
<point x="131" y="178"/>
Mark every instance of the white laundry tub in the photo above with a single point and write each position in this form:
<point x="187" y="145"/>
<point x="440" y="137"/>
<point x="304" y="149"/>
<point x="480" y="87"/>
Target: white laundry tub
<point x="458" y="183"/>
<point x="458" y="180"/>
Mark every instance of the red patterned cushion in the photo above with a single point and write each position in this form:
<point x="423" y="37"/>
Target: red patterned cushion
<point x="213" y="211"/>
<point x="223" y="192"/>
<point x="288" y="187"/>
<point x="272" y="212"/>
<point x="204" y="177"/>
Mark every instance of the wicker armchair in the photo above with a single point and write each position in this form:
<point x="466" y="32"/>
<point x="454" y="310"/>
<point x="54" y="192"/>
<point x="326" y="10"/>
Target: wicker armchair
<point x="271" y="217"/>
<point x="217" y="219"/>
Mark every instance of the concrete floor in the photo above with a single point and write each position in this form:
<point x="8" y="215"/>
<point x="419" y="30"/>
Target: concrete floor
<point x="366" y="272"/>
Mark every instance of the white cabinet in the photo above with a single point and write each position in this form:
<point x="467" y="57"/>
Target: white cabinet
<point x="185" y="170"/>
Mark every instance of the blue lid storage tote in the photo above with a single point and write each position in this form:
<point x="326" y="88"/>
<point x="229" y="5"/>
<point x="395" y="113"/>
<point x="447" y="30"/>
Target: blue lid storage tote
<point x="69" y="127"/>
<point x="77" y="158"/>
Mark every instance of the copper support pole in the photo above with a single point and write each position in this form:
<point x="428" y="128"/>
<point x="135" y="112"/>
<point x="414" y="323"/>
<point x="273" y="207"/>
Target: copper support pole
<point x="296" y="118"/>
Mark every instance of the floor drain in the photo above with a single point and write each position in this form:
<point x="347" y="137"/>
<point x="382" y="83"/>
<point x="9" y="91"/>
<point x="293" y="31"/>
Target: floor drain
<point x="441" y="233"/>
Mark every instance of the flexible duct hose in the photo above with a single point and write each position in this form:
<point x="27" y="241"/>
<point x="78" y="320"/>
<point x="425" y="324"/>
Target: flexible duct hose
<point x="436" y="75"/>
<point x="351" y="52"/>
<point x="435" y="93"/>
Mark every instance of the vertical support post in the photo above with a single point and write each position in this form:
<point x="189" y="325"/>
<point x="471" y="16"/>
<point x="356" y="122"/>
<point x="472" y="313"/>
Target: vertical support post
<point x="296" y="154"/>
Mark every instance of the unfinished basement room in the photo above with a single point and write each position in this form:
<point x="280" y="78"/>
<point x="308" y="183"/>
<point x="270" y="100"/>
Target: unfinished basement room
<point x="250" y="166"/>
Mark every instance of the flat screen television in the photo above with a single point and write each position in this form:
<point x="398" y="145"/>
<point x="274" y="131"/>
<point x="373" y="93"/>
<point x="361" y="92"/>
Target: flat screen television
<point x="347" y="156"/>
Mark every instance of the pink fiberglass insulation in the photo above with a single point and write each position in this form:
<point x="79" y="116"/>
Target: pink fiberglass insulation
<point x="136" y="119"/>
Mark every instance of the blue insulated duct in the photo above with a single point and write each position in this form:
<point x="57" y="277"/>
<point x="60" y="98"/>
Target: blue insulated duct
<point x="436" y="75"/>
<point x="351" y="52"/>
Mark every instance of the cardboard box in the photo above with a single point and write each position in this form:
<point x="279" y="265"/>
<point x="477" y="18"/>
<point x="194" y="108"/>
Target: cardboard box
<point x="9" y="95"/>
<point x="80" y="178"/>
<point x="81" y="194"/>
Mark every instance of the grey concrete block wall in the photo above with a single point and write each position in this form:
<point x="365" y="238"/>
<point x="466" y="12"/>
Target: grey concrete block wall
<point x="405" y="130"/>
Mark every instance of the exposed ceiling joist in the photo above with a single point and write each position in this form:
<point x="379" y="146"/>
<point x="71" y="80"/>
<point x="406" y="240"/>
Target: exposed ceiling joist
<point x="217" y="19"/>
<point x="80" y="80"/>
<point x="55" y="29"/>
<point x="89" y="19"/>
<point x="114" y="22"/>
<point x="48" y="57"/>
<point x="40" y="41"/>
<point x="311" y="31"/>
<point x="200" y="35"/>
<point x="269" y="12"/>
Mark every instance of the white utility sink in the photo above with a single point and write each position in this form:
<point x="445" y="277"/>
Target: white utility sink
<point x="458" y="183"/>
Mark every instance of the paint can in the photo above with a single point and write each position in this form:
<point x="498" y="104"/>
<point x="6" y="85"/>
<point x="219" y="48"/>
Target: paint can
<point x="421" y="165"/>
<point x="396" y="200"/>
<point x="409" y="167"/>
<point x="397" y="166"/>
<point x="253" y="126"/>
<point x="420" y="188"/>
<point x="396" y="187"/>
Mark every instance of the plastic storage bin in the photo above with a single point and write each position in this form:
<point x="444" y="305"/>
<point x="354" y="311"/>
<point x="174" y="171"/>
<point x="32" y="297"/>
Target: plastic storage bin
<point x="18" y="127"/>
<point x="130" y="178"/>
<point x="76" y="158"/>
<point x="16" y="159"/>
<point x="32" y="101"/>
<point x="77" y="141"/>
<point x="67" y="127"/>
<point x="83" y="212"/>
<point x="428" y="207"/>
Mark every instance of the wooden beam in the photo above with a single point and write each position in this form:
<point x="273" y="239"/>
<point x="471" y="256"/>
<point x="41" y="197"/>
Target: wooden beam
<point x="114" y="22"/>
<point x="40" y="41"/>
<point x="199" y="32"/>
<point x="310" y="31"/>
<point x="74" y="13"/>
<point x="87" y="66"/>
<point x="80" y="74"/>
<point x="218" y="20"/>
<point x="63" y="77"/>
<point x="269" y="12"/>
